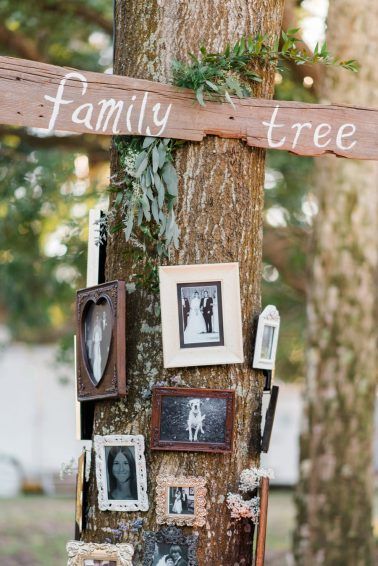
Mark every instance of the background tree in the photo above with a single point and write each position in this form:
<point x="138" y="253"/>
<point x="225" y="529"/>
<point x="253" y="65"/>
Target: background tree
<point x="220" y="216"/>
<point x="335" y="493"/>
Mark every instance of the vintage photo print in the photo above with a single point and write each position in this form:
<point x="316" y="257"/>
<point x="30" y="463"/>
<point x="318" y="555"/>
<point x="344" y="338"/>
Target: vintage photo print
<point x="169" y="546"/>
<point x="98" y="328"/>
<point x="192" y="419"/>
<point x="180" y="501"/>
<point x="99" y="562"/>
<point x="200" y="314"/>
<point x="101" y="341"/>
<point x="121" y="472"/>
<point x="170" y="555"/>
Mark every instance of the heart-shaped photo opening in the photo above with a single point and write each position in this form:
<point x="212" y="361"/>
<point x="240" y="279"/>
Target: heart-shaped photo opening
<point x="97" y="329"/>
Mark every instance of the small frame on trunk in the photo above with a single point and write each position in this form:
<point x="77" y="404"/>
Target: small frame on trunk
<point x="81" y="496"/>
<point x="267" y="339"/>
<point x="99" y="554"/>
<point x="121" y="472"/>
<point x="101" y="341"/>
<point x="201" y="314"/>
<point x="192" y="420"/>
<point x="170" y="545"/>
<point x="181" y="500"/>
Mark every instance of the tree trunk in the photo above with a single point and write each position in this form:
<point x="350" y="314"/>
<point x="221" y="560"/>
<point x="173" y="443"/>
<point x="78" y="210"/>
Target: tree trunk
<point x="220" y="217"/>
<point x="334" y="499"/>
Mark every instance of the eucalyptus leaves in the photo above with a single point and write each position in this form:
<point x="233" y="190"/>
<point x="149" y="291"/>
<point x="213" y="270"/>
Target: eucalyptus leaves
<point x="149" y="191"/>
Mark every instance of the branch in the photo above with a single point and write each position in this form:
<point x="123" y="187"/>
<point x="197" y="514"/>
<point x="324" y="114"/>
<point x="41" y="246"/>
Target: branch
<point x="20" y="44"/>
<point x="278" y="246"/>
<point x="97" y="153"/>
<point x="301" y="71"/>
<point x="80" y="10"/>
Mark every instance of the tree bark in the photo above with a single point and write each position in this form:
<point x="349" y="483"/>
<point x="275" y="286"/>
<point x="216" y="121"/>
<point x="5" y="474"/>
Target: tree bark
<point x="334" y="499"/>
<point x="220" y="209"/>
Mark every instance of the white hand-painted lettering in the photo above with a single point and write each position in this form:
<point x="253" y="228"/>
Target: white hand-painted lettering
<point x="58" y="99"/>
<point x="272" y="125"/>
<point x="341" y="135"/>
<point x="319" y="135"/>
<point x="142" y="111"/>
<point x="86" y="119"/>
<point x="157" y="122"/>
<point x="128" y="115"/>
<point x="111" y="105"/>
<point x="299" y="127"/>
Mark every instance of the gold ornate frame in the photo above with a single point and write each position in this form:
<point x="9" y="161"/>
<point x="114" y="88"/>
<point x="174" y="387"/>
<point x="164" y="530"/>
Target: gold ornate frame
<point x="163" y="483"/>
<point x="79" y="551"/>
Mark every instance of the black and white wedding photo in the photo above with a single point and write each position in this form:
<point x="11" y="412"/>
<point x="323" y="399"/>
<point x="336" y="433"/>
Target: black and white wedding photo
<point x="97" y="336"/>
<point x="170" y="555"/>
<point x="200" y="314"/>
<point x="181" y="501"/>
<point x="121" y="472"/>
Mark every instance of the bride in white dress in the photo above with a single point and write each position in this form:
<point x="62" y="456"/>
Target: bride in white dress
<point x="196" y="323"/>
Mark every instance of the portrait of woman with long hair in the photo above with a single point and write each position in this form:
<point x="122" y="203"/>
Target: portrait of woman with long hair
<point x="121" y="472"/>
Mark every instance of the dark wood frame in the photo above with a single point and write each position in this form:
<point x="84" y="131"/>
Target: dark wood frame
<point x="169" y="535"/>
<point x="263" y="519"/>
<point x="113" y="382"/>
<point x="158" y="444"/>
<point x="269" y="419"/>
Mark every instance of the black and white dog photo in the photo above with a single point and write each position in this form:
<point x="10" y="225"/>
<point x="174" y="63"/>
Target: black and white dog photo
<point x="200" y="314"/>
<point x="192" y="419"/>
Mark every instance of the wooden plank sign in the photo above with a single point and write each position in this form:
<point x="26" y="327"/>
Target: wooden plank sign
<point x="263" y="520"/>
<point x="45" y="96"/>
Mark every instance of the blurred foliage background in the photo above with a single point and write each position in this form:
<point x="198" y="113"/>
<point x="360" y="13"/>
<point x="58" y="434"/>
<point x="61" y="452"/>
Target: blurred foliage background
<point x="48" y="183"/>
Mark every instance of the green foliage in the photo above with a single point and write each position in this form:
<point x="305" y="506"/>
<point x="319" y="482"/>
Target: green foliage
<point x="146" y="195"/>
<point x="220" y="75"/>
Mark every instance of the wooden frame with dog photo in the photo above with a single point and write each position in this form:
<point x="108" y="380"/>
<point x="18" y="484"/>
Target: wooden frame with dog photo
<point x="101" y="341"/>
<point x="192" y="420"/>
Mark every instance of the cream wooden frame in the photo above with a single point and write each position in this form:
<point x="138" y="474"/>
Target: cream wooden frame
<point x="79" y="551"/>
<point x="232" y="350"/>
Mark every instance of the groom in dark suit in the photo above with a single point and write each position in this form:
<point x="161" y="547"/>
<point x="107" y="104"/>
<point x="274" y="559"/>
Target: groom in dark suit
<point x="206" y="307"/>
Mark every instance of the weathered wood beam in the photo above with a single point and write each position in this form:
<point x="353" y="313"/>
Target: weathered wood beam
<point x="45" y="96"/>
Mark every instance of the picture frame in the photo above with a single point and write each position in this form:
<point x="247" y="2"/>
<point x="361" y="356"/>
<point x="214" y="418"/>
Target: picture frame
<point x="96" y="250"/>
<point x="201" y="314"/>
<point x="165" y="542"/>
<point x="181" y="500"/>
<point x="117" y="456"/>
<point x="269" y="419"/>
<point x="268" y="327"/>
<point x="81" y="494"/>
<point x="175" y="427"/>
<point x="101" y="341"/>
<point x="85" y="553"/>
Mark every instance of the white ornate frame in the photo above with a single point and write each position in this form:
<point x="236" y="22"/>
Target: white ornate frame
<point x="269" y="317"/>
<point x="232" y="350"/>
<point x="163" y="483"/>
<point x="79" y="551"/>
<point x="137" y="441"/>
